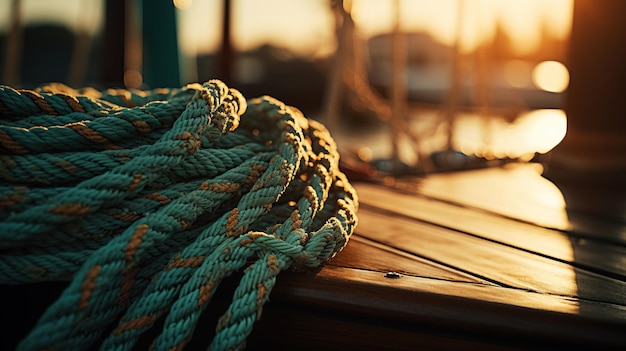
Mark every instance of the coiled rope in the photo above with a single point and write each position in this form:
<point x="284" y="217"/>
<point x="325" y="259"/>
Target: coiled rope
<point x="145" y="200"/>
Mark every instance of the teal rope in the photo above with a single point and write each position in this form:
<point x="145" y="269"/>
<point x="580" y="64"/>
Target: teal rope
<point x="146" y="200"/>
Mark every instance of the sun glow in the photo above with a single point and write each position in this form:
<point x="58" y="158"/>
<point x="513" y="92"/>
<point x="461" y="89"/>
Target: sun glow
<point x="307" y="27"/>
<point x="543" y="129"/>
<point x="551" y="76"/>
<point x="523" y="21"/>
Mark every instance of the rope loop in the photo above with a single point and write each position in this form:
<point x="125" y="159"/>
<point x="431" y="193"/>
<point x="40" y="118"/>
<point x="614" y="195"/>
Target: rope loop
<point x="144" y="201"/>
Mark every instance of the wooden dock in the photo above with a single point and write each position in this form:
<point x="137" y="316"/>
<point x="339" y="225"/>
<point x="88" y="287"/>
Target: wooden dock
<point x="483" y="259"/>
<point x="476" y="260"/>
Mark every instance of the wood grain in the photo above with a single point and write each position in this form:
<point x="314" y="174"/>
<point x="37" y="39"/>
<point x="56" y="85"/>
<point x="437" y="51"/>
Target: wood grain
<point x="365" y="254"/>
<point x="597" y="256"/>
<point x="500" y="264"/>
<point x="493" y="315"/>
<point x="520" y="192"/>
<point x="484" y="261"/>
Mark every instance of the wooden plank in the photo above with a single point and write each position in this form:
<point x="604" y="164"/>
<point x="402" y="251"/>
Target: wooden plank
<point x="488" y="260"/>
<point x="520" y="192"/>
<point x="598" y="256"/>
<point x="493" y="314"/>
<point x="362" y="253"/>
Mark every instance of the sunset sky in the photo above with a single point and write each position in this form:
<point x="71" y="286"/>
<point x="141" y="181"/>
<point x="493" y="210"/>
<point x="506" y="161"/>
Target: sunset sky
<point x="306" y="26"/>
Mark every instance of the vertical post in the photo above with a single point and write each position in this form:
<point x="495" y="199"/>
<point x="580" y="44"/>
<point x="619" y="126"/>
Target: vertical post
<point x="592" y="155"/>
<point x="455" y="80"/>
<point x="160" y="44"/>
<point x="133" y="52"/>
<point x="14" y="45"/>
<point x="226" y="52"/>
<point x="112" y="64"/>
<point x="398" y="84"/>
<point x="333" y="94"/>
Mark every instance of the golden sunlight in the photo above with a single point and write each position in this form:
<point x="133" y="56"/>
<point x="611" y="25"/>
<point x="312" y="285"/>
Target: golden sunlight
<point x="308" y="27"/>
<point x="543" y="129"/>
<point x="551" y="76"/>
<point x="525" y="22"/>
<point x="535" y="131"/>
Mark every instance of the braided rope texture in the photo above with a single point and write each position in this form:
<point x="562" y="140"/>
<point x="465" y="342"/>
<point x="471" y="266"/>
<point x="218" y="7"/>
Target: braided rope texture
<point x="144" y="201"/>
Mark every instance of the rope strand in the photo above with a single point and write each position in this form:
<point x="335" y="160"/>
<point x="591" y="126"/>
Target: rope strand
<point x="144" y="201"/>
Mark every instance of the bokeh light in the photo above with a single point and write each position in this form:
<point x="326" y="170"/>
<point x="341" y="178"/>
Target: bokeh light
<point x="183" y="4"/>
<point x="543" y="129"/>
<point x="551" y="76"/>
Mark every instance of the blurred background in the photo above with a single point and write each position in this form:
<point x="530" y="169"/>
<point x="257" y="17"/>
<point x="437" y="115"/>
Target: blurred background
<point x="405" y="86"/>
